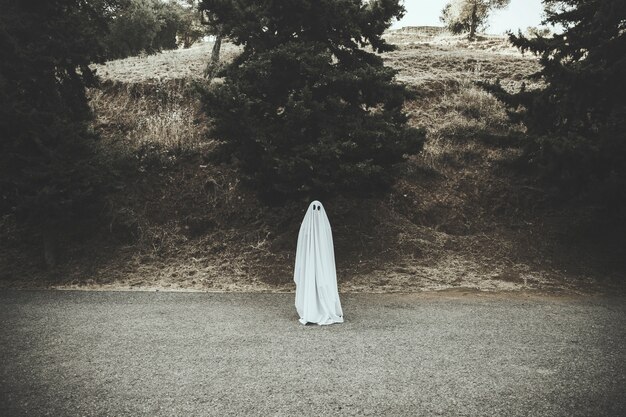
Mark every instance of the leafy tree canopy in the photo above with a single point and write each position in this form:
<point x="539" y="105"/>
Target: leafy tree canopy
<point x="468" y="16"/>
<point x="150" y="26"/>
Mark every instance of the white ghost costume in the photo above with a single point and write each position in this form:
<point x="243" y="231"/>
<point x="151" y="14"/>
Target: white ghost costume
<point x="317" y="298"/>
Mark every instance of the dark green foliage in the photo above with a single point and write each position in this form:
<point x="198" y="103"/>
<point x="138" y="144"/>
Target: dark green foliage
<point x="178" y="25"/>
<point x="169" y="19"/>
<point x="133" y="30"/>
<point x="190" y="28"/>
<point x="46" y="171"/>
<point x="304" y="109"/>
<point x="578" y="121"/>
<point x="150" y="26"/>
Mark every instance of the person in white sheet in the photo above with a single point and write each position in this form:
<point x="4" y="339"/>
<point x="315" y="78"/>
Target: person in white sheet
<point x="317" y="297"/>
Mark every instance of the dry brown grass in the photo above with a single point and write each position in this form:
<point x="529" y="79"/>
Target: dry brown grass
<point x="176" y="64"/>
<point x="455" y="219"/>
<point x="151" y="100"/>
<point x="434" y="64"/>
<point x="134" y="116"/>
<point x="148" y="100"/>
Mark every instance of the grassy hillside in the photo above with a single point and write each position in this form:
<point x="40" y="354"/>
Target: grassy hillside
<point x="462" y="214"/>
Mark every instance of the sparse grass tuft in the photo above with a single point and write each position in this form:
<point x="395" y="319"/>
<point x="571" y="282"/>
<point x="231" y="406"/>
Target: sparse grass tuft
<point x="163" y="114"/>
<point x="474" y="103"/>
<point x="176" y="64"/>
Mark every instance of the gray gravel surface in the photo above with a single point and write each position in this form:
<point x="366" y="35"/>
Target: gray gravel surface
<point x="72" y="353"/>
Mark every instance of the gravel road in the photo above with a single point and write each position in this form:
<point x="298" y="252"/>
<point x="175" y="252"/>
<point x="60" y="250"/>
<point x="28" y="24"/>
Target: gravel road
<point x="73" y="353"/>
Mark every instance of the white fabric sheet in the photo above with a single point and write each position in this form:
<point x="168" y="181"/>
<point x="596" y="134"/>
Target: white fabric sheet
<point x="317" y="298"/>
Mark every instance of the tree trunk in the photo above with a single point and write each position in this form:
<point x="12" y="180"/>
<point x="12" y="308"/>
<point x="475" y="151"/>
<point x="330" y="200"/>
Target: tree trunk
<point x="473" y="22"/>
<point x="214" y="62"/>
<point x="50" y="248"/>
<point x="215" y="52"/>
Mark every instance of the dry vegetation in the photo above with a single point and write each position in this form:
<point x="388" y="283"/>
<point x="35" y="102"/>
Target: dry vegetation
<point x="178" y="64"/>
<point x="460" y="215"/>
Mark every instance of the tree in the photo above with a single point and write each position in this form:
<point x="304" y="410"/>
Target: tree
<point x="169" y="23"/>
<point x="190" y="28"/>
<point x="47" y="172"/>
<point x="577" y="123"/>
<point x="462" y="16"/>
<point x="133" y="30"/>
<point x="214" y="28"/>
<point x="151" y="26"/>
<point x="305" y="109"/>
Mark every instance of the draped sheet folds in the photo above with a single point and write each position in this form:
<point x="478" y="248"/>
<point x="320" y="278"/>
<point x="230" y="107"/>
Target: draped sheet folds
<point x="317" y="297"/>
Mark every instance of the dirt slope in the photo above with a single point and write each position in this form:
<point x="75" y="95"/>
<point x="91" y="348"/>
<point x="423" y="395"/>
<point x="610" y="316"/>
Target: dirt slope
<point x="460" y="216"/>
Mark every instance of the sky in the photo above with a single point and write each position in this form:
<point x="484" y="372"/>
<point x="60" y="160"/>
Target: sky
<point x="520" y="14"/>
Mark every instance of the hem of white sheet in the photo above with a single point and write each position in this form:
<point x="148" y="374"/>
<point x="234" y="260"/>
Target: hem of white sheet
<point x="323" y="323"/>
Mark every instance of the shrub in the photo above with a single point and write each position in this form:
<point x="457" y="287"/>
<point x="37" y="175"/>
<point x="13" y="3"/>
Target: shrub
<point x="133" y="30"/>
<point x="150" y="26"/>
<point x="48" y="178"/>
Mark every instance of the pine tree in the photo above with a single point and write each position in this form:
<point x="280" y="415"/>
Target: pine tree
<point x="47" y="177"/>
<point x="305" y="109"/>
<point x="578" y="121"/>
<point x="469" y="16"/>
